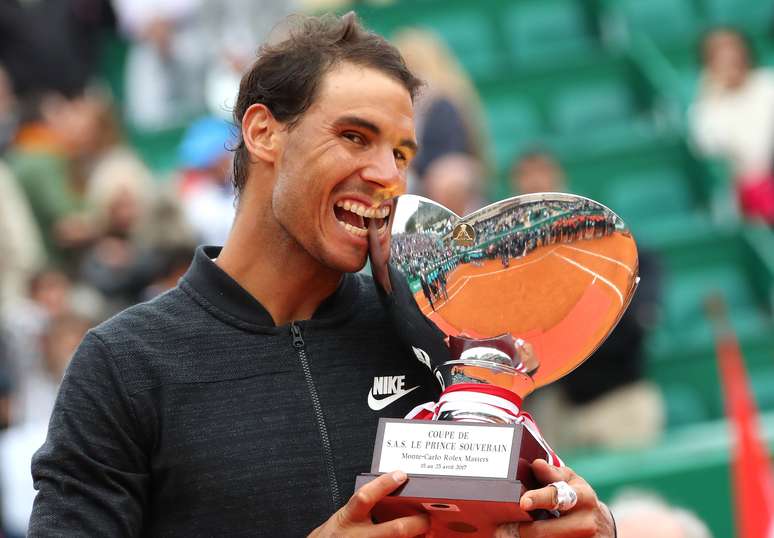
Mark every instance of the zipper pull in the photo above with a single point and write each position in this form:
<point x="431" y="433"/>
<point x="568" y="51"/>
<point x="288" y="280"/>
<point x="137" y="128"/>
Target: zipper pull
<point x="295" y="332"/>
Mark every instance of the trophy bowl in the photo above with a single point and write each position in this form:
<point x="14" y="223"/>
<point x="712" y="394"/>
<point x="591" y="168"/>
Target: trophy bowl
<point x="496" y="304"/>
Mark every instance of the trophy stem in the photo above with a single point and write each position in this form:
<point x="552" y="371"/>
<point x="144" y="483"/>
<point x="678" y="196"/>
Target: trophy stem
<point x="475" y="417"/>
<point x="478" y="403"/>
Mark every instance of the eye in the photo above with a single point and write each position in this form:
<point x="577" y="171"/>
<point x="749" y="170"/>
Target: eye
<point x="400" y="155"/>
<point x="354" y="137"/>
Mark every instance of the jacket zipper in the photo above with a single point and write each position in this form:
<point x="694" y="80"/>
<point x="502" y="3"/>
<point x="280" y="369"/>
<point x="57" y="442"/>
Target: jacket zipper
<point x="300" y="347"/>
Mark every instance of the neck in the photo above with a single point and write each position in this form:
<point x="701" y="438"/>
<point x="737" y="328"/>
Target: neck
<point x="275" y="270"/>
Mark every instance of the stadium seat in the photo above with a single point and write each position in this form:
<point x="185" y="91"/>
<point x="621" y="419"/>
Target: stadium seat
<point x="643" y="196"/>
<point x="689" y="467"/>
<point x="684" y="301"/>
<point x="471" y="36"/>
<point x="552" y="32"/>
<point x="514" y="125"/>
<point x="589" y="106"/>
<point x="762" y="383"/>
<point x="685" y="326"/>
<point x="684" y="404"/>
<point x="666" y="21"/>
<point x="755" y="15"/>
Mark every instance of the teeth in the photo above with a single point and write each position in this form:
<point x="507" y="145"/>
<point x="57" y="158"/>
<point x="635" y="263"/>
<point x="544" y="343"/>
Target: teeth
<point x="363" y="211"/>
<point x="354" y="230"/>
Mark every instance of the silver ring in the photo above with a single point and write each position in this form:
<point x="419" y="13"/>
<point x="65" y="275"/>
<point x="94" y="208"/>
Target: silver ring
<point x="566" y="497"/>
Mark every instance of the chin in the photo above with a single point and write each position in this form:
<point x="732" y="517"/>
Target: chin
<point x="353" y="267"/>
<point x="346" y="264"/>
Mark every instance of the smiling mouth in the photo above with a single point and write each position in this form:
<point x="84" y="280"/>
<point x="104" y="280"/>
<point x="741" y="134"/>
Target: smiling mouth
<point x="355" y="217"/>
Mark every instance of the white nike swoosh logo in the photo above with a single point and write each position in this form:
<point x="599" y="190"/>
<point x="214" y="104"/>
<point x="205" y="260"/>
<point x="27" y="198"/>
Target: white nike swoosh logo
<point x="378" y="405"/>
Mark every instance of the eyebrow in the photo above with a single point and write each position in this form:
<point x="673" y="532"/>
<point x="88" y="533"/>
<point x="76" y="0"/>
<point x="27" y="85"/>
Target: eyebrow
<point x="374" y="129"/>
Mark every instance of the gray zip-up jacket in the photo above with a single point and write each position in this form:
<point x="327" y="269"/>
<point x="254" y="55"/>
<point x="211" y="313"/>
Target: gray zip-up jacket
<point x="193" y="415"/>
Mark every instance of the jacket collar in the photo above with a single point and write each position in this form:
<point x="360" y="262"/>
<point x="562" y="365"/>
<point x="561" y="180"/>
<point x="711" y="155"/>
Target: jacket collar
<point x="225" y="293"/>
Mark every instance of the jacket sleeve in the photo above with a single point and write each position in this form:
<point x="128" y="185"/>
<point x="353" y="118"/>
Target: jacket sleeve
<point x="92" y="471"/>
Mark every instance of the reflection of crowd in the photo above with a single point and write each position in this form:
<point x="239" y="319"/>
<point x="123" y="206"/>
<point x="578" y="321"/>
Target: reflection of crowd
<point x="416" y="252"/>
<point x="427" y="257"/>
<point x="519" y="231"/>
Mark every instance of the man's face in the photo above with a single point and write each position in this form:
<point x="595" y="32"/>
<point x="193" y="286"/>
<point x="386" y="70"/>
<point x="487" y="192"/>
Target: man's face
<point x="348" y="154"/>
<point x="727" y="59"/>
<point x="538" y="173"/>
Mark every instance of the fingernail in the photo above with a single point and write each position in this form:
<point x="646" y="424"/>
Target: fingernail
<point x="399" y="476"/>
<point x="526" y="503"/>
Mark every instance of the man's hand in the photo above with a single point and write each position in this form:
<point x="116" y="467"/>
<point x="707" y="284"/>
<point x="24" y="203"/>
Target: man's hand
<point x="589" y="518"/>
<point x="354" y="518"/>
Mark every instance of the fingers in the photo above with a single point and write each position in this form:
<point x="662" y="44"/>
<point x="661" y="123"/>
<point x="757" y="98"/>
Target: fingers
<point x="403" y="527"/>
<point x="589" y="518"/>
<point x="546" y="497"/>
<point x="582" y="524"/>
<point x="547" y="473"/>
<point x="359" y="506"/>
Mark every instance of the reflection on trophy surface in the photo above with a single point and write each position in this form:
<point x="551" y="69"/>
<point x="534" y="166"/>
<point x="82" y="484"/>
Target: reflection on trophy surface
<point x="547" y="275"/>
<point x="495" y="304"/>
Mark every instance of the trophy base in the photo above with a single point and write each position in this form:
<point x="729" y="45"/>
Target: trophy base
<point x="472" y="507"/>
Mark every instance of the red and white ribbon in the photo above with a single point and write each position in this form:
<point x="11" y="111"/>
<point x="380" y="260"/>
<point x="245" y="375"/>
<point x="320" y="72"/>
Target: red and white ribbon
<point x="486" y="399"/>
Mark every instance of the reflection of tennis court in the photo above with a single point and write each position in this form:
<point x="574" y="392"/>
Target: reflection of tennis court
<point x="558" y="296"/>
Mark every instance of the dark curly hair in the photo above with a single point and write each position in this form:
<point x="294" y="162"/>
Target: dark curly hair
<point x="287" y="74"/>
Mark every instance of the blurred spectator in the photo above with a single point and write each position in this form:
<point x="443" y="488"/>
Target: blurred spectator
<point x="235" y="29"/>
<point x="605" y="402"/>
<point x="447" y="115"/>
<point x="20" y="240"/>
<point x="112" y="168"/>
<point x="455" y="181"/>
<point x="206" y="190"/>
<point x="142" y="246"/>
<point x="173" y="264"/>
<point x="6" y="388"/>
<point x="537" y="171"/>
<point x="187" y="54"/>
<point x="59" y="340"/>
<point x="733" y="118"/>
<point x="47" y="158"/>
<point x="8" y="110"/>
<point x="120" y="194"/>
<point x="642" y="515"/>
<point x="166" y="61"/>
<point x="52" y="295"/>
<point x="80" y="177"/>
<point x="52" y="45"/>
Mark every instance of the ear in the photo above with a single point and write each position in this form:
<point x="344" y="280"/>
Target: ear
<point x="261" y="133"/>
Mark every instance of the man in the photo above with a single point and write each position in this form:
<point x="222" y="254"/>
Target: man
<point x="642" y="514"/>
<point x="732" y="117"/>
<point x="234" y="404"/>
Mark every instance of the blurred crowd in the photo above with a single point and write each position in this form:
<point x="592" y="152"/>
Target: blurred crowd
<point x="87" y="229"/>
<point x="733" y="118"/>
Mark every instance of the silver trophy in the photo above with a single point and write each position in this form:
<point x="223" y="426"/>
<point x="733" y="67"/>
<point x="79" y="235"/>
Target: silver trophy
<point x="549" y="275"/>
<point x="496" y="304"/>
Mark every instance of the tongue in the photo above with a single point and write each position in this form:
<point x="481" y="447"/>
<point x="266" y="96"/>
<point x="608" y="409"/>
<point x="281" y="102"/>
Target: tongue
<point x="349" y="217"/>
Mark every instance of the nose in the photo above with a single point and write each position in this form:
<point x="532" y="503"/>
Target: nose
<point x="382" y="169"/>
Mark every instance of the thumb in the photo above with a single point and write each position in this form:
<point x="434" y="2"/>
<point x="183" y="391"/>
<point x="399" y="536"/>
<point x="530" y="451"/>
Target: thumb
<point x="360" y="504"/>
